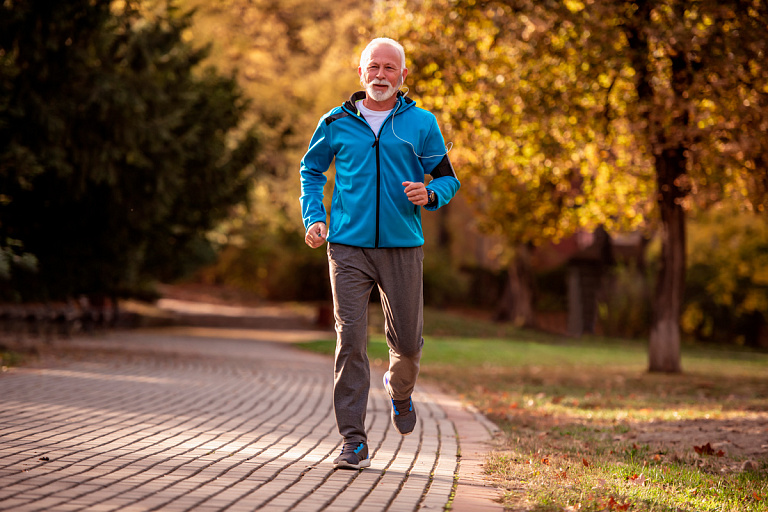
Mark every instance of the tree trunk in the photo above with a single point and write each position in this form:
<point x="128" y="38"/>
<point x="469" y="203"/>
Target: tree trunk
<point x="664" y="347"/>
<point x="516" y="302"/>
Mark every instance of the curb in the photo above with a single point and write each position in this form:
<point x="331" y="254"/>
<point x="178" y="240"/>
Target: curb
<point x="475" y="433"/>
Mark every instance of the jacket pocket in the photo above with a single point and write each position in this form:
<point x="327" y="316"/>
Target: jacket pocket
<point x="337" y="211"/>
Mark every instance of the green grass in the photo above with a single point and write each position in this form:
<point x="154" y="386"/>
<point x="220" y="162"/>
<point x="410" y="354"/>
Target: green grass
<point x="9" y="358"/>
<point x="586" y="427"/>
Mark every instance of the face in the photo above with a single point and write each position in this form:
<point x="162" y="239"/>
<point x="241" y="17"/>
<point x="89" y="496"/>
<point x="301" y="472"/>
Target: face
<point x="382" y="76"/>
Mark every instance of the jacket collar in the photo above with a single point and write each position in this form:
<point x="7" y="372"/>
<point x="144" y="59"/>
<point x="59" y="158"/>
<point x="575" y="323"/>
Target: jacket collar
<point x="402" y="100"/>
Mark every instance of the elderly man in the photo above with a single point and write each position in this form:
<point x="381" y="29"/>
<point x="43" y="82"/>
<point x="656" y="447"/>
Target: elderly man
<point x="383" y="146"/>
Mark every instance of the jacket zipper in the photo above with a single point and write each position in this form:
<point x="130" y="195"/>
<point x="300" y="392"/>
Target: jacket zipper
<point x="378" y="177"/>
<point x="378" y="190"/>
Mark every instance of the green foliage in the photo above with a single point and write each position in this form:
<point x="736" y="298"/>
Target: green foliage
<point x="9" y="358"/>
<point x="551" y="290"/>
<point x="625" y="310"/>
<point x="299" y="58"/>
<point x="117" y="151"/>
<point x="727" y="282"/>
<point x="273" y="263"/>
<point x="443" y="284"/>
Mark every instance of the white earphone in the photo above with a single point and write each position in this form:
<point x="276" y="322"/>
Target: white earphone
<point x="448" y="148"/>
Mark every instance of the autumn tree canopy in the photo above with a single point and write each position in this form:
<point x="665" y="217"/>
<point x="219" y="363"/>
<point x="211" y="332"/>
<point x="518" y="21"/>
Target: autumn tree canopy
<point x="577" y="113"/>
<point x="297" y="59"/>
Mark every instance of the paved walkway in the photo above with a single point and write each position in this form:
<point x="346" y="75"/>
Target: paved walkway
<point x="195" y="419"/>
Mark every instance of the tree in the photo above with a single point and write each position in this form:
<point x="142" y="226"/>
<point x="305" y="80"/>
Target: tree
<point x="117" y="152"/>
<point x="299" y="58"/>
<point x="585" y="101"/>
<point x="541" y="161"/>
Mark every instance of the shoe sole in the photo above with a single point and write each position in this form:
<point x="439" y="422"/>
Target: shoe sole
<point x="346" y="465"/>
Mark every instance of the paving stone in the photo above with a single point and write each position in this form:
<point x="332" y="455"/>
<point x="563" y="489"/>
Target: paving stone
<point x="161" y="420"/>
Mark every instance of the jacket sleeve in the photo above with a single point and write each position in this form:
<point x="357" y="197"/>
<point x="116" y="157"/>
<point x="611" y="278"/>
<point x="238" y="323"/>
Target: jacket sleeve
<point x="444" y="182"/>
<point x="315" y="163"/>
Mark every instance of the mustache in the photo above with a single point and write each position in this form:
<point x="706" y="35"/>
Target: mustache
<point x="377" y="81"/>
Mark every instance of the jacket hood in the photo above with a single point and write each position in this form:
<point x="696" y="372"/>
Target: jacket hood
<point x="350" y="104"/>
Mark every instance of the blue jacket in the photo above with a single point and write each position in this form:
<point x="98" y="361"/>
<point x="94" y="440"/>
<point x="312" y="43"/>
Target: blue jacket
<point x="369" y="207"/>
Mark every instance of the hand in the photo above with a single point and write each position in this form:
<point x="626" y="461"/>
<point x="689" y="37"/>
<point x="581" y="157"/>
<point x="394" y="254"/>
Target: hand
<point x="316" y="235"/>
<point x="416" y="192"/>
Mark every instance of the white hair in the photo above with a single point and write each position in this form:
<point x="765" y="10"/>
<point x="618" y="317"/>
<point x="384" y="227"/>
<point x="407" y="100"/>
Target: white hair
<point x="366" y="55"/>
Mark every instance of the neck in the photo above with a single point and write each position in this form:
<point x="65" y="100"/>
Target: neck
<point x="387" y="104"/>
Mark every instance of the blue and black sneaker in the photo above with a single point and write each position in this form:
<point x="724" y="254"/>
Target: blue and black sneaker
<point x="353" y="456"/>
<point x="403" y="412"/>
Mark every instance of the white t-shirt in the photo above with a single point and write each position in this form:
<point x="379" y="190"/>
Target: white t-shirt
<point x="375" y="118"/>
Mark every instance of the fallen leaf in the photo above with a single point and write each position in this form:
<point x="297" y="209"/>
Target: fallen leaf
<point x="545" y="461"/>
<point x="615" y="505"/>
<point x="756" y="496"/>
<point x="657" y="457"/>
<point x="637" y="479"/>
<point x="704" y="449"/>
<point x="586" y="463"/>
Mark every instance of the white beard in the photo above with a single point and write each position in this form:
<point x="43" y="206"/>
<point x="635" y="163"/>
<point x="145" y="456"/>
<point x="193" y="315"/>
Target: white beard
<point x="378" y="95"/>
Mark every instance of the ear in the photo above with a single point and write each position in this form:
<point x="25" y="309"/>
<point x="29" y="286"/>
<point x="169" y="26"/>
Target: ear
<point x="360" y="72"/>
<point x="405" y="73"/>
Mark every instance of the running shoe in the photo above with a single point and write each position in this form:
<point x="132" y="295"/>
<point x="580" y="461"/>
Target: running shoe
<point x="403" y="412"/>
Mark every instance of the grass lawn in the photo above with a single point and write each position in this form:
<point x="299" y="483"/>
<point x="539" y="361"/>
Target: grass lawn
<point x="586" y="427"/>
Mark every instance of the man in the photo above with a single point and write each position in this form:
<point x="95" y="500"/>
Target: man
<point x="383" y="146"/>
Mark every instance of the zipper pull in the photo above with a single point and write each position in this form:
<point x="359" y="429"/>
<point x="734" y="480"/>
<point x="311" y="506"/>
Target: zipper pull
<point x="375" y="142"/>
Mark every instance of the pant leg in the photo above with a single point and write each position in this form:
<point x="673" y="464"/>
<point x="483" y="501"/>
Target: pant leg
<point x="351" y="285"/>
<point x="400" y="278"/>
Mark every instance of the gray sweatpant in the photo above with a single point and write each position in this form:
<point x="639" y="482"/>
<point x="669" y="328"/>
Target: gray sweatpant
<point x="398" y="273"/>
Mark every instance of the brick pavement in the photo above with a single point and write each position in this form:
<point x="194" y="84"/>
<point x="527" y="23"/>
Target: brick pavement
<point x="208" y="420"/>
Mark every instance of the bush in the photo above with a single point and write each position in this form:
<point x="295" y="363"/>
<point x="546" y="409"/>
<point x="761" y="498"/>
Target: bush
<point x="726" y="299"/>
<point x="273" y="264"/>
<point x="625" y="309"/>
<point x="444" y="284"/>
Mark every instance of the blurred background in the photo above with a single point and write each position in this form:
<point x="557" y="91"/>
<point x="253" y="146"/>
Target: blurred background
<point x="612" y="156"/>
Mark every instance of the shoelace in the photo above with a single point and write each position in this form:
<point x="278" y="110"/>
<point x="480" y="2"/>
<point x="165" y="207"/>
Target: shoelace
<point x="402" y="406"/>
<point x="352" y="448"/>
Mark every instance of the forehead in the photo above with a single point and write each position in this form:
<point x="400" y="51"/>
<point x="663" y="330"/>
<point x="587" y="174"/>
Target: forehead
<point x="384" y="54"/>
